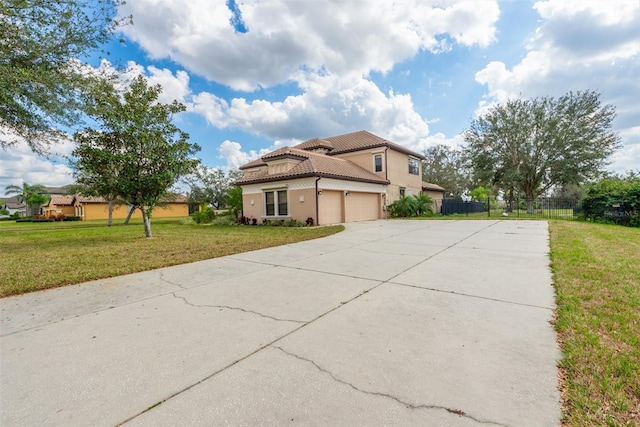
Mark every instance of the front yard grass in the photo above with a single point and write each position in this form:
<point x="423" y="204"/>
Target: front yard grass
<point x="597" y="278"/>
<point x="38" y="256"/>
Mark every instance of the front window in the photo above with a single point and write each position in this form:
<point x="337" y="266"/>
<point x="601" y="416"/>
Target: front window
<point x="276" y="203"/>
<point x="270" y="207"/>
<point x="414" y="168"/>
<point x="378" y="162"/>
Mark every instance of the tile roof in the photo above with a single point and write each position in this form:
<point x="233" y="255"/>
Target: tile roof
<point x="12" y="202"/>
<point x="320" y="164"/>
<point x="355" y="141"/>
<point x="311" y="164"/>
<point x="430" y="186"/>
<point x="90" y="199"/>
<point x="314" y="143"/>
<point x="60" y="200"/>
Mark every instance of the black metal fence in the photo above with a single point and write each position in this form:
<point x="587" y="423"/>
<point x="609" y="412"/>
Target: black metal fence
<point x="450" y="206"/>
<point x="541" y="207"/>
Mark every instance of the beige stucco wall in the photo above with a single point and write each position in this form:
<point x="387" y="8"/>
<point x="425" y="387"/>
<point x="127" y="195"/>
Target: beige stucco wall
<point x="331" y="201"/>
<point x="52" y="210"/>
<point x="435" y="195"/>
<point x="252" y="205"/>
<point x="302" y="204"/>
<point x="365" y="159"/>
<point x="395" y="168"/>
<point x="399" y="176"/>
<point x="301" y="196"/>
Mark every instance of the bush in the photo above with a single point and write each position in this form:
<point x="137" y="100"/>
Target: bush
<point x="72" y="218"/>
<point x="614" y="200"/>
<point x="416" y="205"/>
<point x="204" y="216"/>
<point x="225" y="220"/>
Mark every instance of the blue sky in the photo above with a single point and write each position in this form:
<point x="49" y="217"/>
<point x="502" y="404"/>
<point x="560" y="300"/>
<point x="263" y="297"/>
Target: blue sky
<point x="258" y="75"/>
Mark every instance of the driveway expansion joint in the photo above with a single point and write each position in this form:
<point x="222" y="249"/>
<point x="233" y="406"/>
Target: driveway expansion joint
<point x="227" y="307"/>
<point x="424" y="288"/>
<point x="411" y="406"/>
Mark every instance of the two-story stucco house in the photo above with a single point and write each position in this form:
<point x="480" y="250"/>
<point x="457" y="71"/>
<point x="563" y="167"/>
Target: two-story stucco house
<point x="345" y="178"/>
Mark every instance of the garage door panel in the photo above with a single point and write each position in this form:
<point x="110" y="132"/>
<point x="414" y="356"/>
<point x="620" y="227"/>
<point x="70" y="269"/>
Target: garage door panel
<point x="362" y="206"/>
<point x="330" y="207"/>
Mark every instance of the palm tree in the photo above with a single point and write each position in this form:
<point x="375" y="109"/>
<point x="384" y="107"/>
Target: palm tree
<point x="30" y="195"/>
<point x="423" y="203"/>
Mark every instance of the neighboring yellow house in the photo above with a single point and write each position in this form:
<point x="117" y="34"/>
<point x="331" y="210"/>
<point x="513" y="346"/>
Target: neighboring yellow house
<point x="89" y="208"/>
<point x="59" y="204"/>
<point x="345" y="178"/>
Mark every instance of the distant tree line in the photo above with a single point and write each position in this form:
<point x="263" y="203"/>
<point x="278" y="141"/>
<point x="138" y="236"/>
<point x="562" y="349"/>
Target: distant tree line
<point x="525" y="148"/>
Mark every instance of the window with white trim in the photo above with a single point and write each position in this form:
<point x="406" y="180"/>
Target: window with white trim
<point x="276" y="203"/>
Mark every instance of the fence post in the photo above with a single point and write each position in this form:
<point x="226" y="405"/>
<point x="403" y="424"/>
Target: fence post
<point x="488" y="207"/>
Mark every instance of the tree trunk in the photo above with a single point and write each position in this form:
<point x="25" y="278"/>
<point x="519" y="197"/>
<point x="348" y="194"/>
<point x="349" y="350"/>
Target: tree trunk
<point x="147" y="223"/>
<point x="510" y="201"/>
<point x="131" y="209"/>
<point x="530" y="199"/>
<point x="110" y="219"/>
<point x="529" y="205"/>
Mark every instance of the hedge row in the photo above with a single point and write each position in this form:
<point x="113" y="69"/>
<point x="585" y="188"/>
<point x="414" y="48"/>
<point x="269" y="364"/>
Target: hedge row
<point x="615" y="200"/>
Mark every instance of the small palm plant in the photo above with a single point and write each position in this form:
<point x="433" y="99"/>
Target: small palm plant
<point x="424" y="204"/>
<point x="404" y="207"/>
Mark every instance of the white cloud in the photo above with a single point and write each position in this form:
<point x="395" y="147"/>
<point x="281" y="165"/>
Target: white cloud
<point x="19" y="164"/>
<point x="285" y="36"/>
<point x="174" y="87"/>
<point x="232" y="153"/>
<point x="328" y="106"/>
<point x="579" y="45"/>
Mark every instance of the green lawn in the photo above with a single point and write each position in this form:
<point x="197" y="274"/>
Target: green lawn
<point x="38" y="256"/>
<point x="597" y="277"/>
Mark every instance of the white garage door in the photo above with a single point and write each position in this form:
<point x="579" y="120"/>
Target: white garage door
<point x="330" y="207"/>
<point x="362" y="206"/>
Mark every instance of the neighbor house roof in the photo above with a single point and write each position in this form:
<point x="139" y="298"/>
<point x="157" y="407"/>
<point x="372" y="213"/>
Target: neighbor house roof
<point x="12" y="202"/>
<point x="355" y="141"/>
<point x="311" y="164"/>
<point x="60" y="200"/>
<point x="58" y="190"/>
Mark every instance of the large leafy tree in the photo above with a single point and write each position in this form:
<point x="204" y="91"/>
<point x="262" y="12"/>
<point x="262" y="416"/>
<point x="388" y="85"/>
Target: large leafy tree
<point x="138" y="151"/>
<point x="30" y="195"/>
<point x="527" y="146"/>
<point x="41" y="78"/>
<point x="211" y="186"/>
<point x="445" y="167"/>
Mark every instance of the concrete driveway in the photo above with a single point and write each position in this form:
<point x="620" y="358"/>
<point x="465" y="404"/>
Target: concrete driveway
<point x="387" y="323"/>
